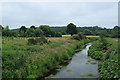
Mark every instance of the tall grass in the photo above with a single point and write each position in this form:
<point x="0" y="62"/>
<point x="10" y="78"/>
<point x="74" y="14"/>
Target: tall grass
<point x="21" y="60"/>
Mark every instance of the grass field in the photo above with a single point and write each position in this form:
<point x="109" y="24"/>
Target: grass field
<point x="92" y="36"/>
<point x="66" y="35"/>
<point x="21" y="60"/>
<point x="114" y="41"/>
<point x="86" y="36"/>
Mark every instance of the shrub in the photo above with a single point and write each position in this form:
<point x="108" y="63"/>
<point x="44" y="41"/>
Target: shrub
<point x="75" y="37"/>
<point x="41" y="40"/>
<point x="109" y="68"/>
<point x="103" y="50"/>
<point x="79" y="36"/>
<point x="58" y="34"/>
<point x="37" y="40"/>
<point x="98" y="55"/>
<point x="32" y="41"/>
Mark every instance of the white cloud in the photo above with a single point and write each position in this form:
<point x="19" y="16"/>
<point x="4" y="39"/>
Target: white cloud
<point x="103" y="14"/>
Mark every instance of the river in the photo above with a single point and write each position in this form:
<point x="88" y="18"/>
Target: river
<point x="81" y="66"/>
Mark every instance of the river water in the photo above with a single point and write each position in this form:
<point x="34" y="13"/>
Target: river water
<point x="81" y="66"/>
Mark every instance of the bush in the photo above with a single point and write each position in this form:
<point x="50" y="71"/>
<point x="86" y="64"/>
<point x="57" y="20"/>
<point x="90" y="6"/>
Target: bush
<point x="32" y="41"/>
<point x="37" y="40"/>
<point x="58" y="34"/>
<point x="76" y="37"/>
<point x="79" y="36"/>
<point x="41" y="40"/>
<point x="109" y="68"/>
<point x="102" y="50"/>
<point x="98" y="55"/>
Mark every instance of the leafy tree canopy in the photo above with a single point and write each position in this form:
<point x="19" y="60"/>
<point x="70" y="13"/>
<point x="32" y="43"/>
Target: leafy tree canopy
<point x="71" y="29"/>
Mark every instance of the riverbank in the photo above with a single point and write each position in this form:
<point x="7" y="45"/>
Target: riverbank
<point x="107" y="51"/>
<point x="32" y="61"/>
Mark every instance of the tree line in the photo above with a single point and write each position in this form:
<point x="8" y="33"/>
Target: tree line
<point x="41" y="31"/>
<point x="94" y="30"/>
<point x="47" y="31"/>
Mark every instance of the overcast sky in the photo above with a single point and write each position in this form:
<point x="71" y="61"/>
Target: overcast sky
<point x="16" y="14"/>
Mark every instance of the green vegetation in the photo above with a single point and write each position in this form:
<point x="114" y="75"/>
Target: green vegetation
<point x="98" y="49"/>
<point x="42" y="31"/>
<point x="93" y="30"/>
<point x="32" y="52"/>
<point x="71" y="29"/>
<point x="21" y="60"/>
<point x="110" y="68"/>
<point x="35" y="41"/>
<point x="49" y="31"/>
<point x="79" y="36"/>
<point x="106" y="49"/>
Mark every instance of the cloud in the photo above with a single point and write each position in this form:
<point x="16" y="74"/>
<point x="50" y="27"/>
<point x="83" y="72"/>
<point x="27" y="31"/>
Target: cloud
<point x="103" y="14"/>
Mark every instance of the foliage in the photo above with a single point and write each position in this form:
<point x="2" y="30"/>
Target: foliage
<point x="107" y="51"/>
<point x="87" y="32"/>
<point x="79" y="36"/>
<point x="103" y="44"/>
<point x="23" y="29"/>
<point x="46" y="30"/>
<point x="96" y="54"/>
<point x="71" y="29"/>
<point x="33" y="27"/>
<point x="53" y="31"/>
<point x="109" y="68"/>
<point x="31" y="32"/>
<point x="32" y="61"/>
<point x="43" y="30"/>
<point x="35" y="41"/>
<point x="116" y="32"/>
<point x="7" y="32"/>
<point x="56" y="34"/>
<point x="94" y="30"/>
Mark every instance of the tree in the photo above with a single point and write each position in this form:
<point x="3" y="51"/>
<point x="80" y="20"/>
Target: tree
<point x="71" y="29"/>
<point x="23" y="29"/>
<point x="33" y="27"/>
<point x="7" y="32"/>
<point x="1" y="28"/>
<point x="58" y="34"/>
<point x="116" y="32"/>
<point x="38" y="32"/>
<point x="46" y="29"/>
<point x="52" y="33"/>
<point x="30" y="32"/>
<point x="87" y="32"/>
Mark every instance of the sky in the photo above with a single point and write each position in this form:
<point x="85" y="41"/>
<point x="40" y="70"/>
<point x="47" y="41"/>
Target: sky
<point x="16" y="14"/>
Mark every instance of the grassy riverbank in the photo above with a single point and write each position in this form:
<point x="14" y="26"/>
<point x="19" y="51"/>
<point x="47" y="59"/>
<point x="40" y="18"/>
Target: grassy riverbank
<point x="21" y="60"/>
<point x="106" y="50"/>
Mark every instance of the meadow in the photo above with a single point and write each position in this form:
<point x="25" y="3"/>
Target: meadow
<point x="21" y="60"/>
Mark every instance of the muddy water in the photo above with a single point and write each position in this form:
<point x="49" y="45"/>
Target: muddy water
<point x="81" y="66"/>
